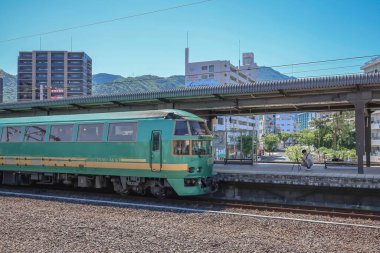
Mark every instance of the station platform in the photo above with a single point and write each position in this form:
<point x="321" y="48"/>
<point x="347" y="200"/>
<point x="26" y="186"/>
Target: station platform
<point x="287" y="174"/>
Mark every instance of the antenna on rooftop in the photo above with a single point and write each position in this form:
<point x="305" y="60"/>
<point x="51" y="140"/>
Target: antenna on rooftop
<point x="71" y="43"/>
<point x="187" y="39"/>
<point x="239" y="54"/>
<point x="40" y="42"/>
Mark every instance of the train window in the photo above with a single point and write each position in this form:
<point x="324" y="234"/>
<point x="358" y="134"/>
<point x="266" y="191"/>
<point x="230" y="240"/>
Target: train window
<point x="181" y="147"/>
<point x="90" y="132"/>
<point x="35" y="133"/>
<point x="156" y="141"/>
<point x="198" y="128"/>
<point x="201" y="147"/>
<point x="11" y="134"/>
<point x="181" y="128"/>
<point x="126" y="131"/>
<point x="61" y="133"/>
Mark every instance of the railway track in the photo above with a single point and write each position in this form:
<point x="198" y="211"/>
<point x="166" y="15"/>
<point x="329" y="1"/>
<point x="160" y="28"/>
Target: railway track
<point x="299" y="209"/>
<point x="194" y="205"/>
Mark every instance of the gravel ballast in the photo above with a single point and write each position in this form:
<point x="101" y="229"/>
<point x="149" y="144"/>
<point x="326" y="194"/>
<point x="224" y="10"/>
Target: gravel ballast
<point x="29" y="225"/>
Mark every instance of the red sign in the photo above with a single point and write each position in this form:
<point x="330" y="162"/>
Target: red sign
<point x="58" y="91"/>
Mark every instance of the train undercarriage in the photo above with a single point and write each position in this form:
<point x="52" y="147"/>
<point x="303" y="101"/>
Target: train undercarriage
<point x="158" y="187"/>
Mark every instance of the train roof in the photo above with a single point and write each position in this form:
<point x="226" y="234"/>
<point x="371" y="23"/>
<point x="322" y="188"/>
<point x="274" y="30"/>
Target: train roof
<point x="138" y="115"/>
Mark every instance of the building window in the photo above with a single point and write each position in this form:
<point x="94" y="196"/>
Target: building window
<point x="90" y="132"/>
<point x="126" y="131"/>
<point x="35" y="133"/>
<point x="204" y="67"/>
<point x="211" y="76"/>
<point x="220" y="121"/>
<point x="61" y="133"/>
<point x="211" y="68"/>
<point x="204" y="77"/>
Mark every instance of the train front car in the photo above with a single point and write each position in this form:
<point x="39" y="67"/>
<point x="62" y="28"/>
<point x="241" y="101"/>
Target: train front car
<point x="191" y="146"/>
<point x="157" y="151"/>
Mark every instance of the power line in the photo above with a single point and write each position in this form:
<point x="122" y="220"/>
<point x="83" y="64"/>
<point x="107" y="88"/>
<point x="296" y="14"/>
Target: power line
<point x="323" y="61"/>
<point x="313" y="70"/>
<point x="293" y="64"/>
<point x="106" y="21"/>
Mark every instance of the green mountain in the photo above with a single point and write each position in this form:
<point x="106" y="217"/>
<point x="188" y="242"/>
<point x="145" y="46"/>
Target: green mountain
<point x="104" y="78"/>
<point x="139" y="84"/>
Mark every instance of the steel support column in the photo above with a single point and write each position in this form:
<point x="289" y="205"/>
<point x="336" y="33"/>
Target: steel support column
<point x="368" y="138"/>
<point x="210" y="123"/>
<point x="360" y="129"/>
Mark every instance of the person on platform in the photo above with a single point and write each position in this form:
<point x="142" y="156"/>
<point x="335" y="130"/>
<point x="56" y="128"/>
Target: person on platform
<point x="307" y="160"/>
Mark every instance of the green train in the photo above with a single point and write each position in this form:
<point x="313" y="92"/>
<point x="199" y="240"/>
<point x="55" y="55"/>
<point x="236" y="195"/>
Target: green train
<point x="159" y="151"/>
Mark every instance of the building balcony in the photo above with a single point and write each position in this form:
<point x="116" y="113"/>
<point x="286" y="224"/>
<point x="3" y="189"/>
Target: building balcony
<point x="29" y="70"/>
<point x="25" y="56"/>
<point x="24" y="77"/>
<point x="41" y="57"/>
<point x="25" y="63"/>
<point x="375" y="142"/>
<point x="56" y="56"/>
<point x="56" y="70"/>
<point x="75" y="55"/>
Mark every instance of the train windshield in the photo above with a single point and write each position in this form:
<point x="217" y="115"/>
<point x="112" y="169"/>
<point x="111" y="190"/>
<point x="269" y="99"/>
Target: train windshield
<point x="198" y="128"/>
<point x="191" y="127"/>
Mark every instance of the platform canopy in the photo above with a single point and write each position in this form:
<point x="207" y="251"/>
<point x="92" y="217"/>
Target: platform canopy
<point x="307" y="94"/>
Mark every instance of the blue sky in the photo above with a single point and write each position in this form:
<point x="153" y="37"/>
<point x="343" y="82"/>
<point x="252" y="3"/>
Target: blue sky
<point x="278" y="32"/>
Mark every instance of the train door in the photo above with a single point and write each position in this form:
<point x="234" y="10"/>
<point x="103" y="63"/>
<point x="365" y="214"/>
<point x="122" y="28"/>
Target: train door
<point x="156" y="151"/>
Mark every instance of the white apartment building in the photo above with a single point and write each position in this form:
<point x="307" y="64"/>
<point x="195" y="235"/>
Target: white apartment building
<point x="213" y="73"/>
<point x="216" y="73"/>
<point x="286" y="122"/>
<point x="373" y="66"/>
<point x="221" y="72"/>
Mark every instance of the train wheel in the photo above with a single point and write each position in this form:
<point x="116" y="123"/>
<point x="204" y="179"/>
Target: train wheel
<point x="158" y="191"/>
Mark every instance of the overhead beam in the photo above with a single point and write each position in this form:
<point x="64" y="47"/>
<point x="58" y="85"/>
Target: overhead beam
<point x="288" y="101"/>
<point x="118" y="103"/>
<point x="78" y="106"/>
<point x="41" y="108"/>
<point x="165" y="100"/>
<point x="219" y="96"/>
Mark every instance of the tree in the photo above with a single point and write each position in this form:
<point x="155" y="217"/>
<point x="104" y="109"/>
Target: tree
<point x="284" y="136"/>
<point x="321" y="130"/>
<point x="336" y="132"/>
<point x="247" y="144"/>
<point x="306" y="137"/>
<point x="294" y="152"/>
<point x="270" y="142"/>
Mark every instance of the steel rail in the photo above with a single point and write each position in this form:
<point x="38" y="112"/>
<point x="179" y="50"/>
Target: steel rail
<point x="81" y="200"/>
